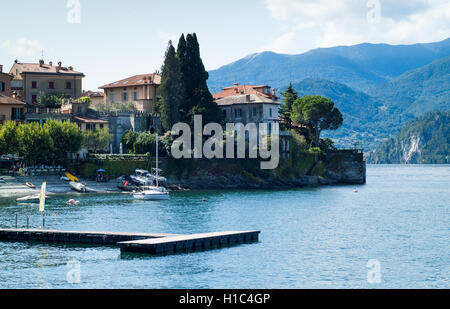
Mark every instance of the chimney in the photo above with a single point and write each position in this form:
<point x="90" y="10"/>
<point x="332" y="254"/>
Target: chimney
<point x="71" y="68"/>
<point x="50" y="63"/>
<point x="58" y="67"/>
<point x="41" y="63"/>
<point x="1" y="68"/>
<point x="274" y="92"/>
<point x="16" y="61"/>
<point x="236" y="88"/>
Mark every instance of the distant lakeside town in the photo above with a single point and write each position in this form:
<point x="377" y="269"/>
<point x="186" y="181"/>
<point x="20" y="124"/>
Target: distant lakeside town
<point x="48" y="122"/>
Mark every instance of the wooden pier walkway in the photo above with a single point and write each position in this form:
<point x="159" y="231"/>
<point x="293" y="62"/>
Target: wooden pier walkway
<point x="149" y="243"/>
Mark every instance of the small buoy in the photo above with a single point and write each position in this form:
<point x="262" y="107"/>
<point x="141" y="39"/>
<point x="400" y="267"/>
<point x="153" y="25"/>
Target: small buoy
<point x="72" y="202"/>
<point x="355" y="190"/>
<point x="204" y="200"/>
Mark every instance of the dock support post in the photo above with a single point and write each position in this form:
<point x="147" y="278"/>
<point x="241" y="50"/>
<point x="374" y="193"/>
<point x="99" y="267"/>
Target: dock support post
<point x="43" y="220"/>
<point x="16" y="220"/>
<point x="28" y="222"/>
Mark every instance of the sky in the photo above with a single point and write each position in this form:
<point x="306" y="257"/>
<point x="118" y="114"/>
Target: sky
<point x="109" y="40"/>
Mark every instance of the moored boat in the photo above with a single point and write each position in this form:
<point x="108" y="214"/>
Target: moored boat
<point x="78" y="186"/>
<point x="30" y="199"/>
<point x="156" y="192"/>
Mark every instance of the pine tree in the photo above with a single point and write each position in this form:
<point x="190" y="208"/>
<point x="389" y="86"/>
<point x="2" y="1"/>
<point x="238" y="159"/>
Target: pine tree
<point x="171" y="89"/>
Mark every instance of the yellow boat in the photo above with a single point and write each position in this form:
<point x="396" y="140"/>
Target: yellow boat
<point x="71" y="177"/>
<point x="30" y="185"/>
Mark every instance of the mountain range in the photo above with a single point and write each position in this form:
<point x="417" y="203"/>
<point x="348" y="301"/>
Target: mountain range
<point x="377" y="87"/>
<point x="424" y="140"/>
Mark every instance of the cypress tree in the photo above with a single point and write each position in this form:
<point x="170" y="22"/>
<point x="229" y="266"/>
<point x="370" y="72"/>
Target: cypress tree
<point x="289" y="97"/>
<point x="171" y="89"/>
<point x="197" y="98"/>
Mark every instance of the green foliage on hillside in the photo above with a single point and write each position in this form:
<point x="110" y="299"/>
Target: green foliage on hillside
<point x="423" y="140"/>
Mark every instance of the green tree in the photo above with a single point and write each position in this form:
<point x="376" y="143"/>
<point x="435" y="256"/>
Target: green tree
<point x="36" y="144"/>
<point x="49" y="101"/>
<point x="86" y="100"/>
<point x="171" y="89"/>
<point x="197" y="99"/>
<point x="145" y="143"/>
<point x="289" y="97"/>
<point x="9" y="139"/>
<point x="317" y="112"/>
<point x="128" y="140"/>
<point x="96" y="140"/>
<point x="66" y="137"/>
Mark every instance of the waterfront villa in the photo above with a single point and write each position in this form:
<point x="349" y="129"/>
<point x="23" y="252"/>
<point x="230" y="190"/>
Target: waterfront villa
<point x="10" y="107"/>
<point x="245" y="104"/>
<point x="141" y="90"/>
<point x="32" y="79"/>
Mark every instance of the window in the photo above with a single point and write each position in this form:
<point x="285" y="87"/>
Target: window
<point x="101" y="126"/>
<point x="51" y="85"/>
<point x="33" y="99"/>
<point x="125" y="96"/>
<point x="255" y="111"/>
<point x="68" y="85"/>
<point x="111" y="97"/>
<point x="224" y="113"/>
<point x="2" y="87"/>
<point x="238" y="113"/>
<point x="270" y="112"/>
<point x="135" y="96"/>
<point x="34" y="85"/>
<point x="17" y="114"/>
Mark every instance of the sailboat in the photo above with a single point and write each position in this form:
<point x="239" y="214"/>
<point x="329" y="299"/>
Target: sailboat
<point x="154" y="193"/>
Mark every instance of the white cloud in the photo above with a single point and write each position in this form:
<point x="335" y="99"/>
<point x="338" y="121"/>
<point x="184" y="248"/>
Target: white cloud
<point x="23" y="47"/>
<point x="324" y="23"/>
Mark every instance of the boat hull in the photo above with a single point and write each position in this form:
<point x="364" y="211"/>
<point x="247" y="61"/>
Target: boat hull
<point x="152" y="196"/>
<point x="79" y="187"/>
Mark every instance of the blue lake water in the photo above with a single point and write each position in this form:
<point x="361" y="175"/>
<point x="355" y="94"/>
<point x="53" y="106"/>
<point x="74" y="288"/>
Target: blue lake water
<point x="310" y="238"/>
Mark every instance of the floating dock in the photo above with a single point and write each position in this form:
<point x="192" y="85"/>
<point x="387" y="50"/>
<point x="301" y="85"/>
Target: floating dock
<point x="188" y="243"/>
<point x="149" y="243"/>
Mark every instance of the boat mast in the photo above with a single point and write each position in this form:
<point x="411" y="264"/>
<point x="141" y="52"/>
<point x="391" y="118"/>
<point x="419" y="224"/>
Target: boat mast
<point x="157" y="176"/>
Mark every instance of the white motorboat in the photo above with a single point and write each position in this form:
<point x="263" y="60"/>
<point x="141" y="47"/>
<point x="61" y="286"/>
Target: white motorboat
<point x="145" y="178"/>
<point x="155" y="193"/>
<point x="78" y="186"/>
<point x="30" y="199"/>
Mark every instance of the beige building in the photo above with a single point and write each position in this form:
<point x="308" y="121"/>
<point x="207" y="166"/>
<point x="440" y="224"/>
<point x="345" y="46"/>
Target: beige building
<point x="32" y="79"/>
<point x="245" y="104"/>
<point x="5" y="82"/>
<point x="96" y="97"/>
<point x="141" y="90"/>
<point x="10" y="107"/>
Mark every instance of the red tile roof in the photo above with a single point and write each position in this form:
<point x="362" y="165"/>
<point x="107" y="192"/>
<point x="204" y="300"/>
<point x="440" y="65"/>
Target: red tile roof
<point x="89" y="120"/>
<point x="93" y="94"/>
<point x="244" y="89"/>
<point x="30" y="68"/>
<point x="10" y="101"/>
<point x="137" y="80"/>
